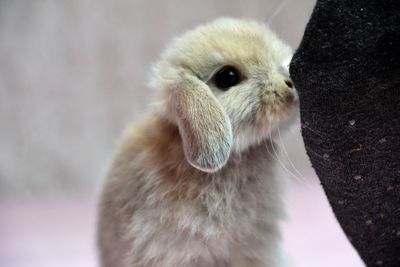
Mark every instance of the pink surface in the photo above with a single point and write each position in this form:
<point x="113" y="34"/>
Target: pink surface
<point x="312" y="236"/>
<point x="59" y="231"/>
<point x="47" y="232"/>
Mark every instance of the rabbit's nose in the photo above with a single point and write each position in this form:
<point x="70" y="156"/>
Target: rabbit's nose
<point x="289" y="83"/>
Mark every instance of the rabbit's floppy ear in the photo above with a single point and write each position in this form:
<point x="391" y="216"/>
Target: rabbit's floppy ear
<point x="203" y="125"/>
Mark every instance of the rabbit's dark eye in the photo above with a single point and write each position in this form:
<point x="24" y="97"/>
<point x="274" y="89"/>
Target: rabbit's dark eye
<point x="226" y="77"/>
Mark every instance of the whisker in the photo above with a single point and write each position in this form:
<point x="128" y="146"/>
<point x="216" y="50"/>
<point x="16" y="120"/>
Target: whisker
<point x="303" y="125"/>
<point x="288" y="158"/>
<point x="276" y="12"/>
<point x="283" y="165"/>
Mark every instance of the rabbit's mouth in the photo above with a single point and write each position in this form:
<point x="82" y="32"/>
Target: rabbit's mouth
<point x="276" y="104"/>
<point x="264" y="123"/>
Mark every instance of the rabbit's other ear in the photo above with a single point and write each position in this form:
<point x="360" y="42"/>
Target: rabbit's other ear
<point x="203" y="125"/>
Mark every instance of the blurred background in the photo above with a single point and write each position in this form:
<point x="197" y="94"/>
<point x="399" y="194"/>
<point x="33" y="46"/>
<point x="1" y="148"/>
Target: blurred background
<point x="72" y="76"/>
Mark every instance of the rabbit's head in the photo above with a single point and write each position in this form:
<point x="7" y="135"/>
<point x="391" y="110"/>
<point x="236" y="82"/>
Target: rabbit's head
<point x="226" y="86"/>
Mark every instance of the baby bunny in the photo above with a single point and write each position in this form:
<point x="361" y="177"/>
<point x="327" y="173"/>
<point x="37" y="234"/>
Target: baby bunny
<point x="193" y="184"/>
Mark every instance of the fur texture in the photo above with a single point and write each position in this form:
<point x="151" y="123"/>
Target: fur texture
<point x="194" y="184"/>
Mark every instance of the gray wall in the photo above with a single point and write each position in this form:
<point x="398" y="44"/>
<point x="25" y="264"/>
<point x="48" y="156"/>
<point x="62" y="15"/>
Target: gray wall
<point x="73" y="74"/>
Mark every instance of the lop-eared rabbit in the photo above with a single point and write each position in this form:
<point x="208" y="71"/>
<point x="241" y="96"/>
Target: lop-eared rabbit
<point x="193" y="184"/>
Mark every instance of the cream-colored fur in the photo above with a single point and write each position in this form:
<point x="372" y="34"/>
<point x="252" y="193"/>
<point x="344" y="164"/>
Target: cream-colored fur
<point x="193" y="184"/>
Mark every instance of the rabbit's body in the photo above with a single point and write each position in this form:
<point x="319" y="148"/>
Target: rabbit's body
<point x="194" y="184"/>
<point x="170" y="215"/>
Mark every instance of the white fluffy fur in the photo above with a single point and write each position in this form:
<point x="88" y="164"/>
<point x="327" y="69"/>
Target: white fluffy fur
<point x="193" y="184"/>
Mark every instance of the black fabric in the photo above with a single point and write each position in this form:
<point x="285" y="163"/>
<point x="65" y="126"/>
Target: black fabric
<point x="347" y="72"/>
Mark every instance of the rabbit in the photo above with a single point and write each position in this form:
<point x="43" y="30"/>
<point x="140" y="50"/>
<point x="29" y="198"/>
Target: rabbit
<point x="194" y="183"/>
